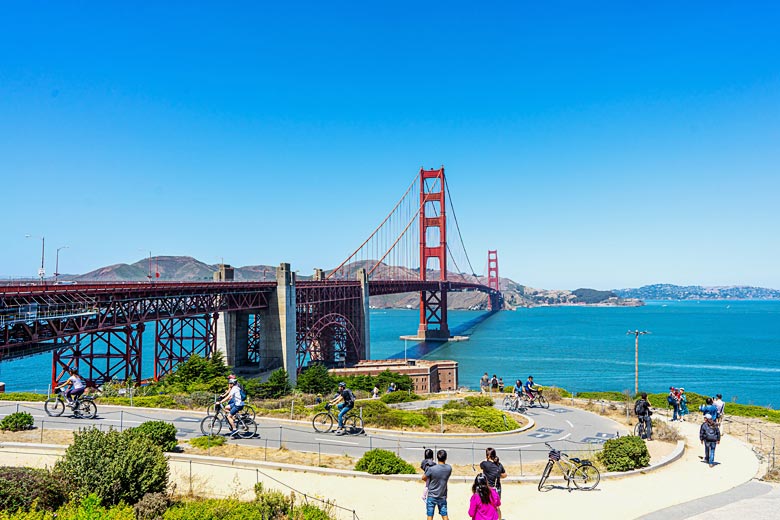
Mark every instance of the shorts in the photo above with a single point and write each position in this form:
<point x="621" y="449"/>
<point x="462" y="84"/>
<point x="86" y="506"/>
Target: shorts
<point x="432" y="502"/>
<point x="235" y="409"/>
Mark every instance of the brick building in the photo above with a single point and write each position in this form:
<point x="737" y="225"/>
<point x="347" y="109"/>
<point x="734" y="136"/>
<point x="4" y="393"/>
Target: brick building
<point x="427" y="376"/>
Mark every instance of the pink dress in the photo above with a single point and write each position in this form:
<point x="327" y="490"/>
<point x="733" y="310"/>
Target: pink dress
<point x="480" y="511"/>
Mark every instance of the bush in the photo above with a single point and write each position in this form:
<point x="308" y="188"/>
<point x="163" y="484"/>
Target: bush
<point x="273" y="502"/>
<point x="399" y="397"/>
<point x="278" y="385"/>
<point x="152" y="506"/>
<point x="198" y="373"/>
<point x="23" y="396"/>
<point x="216" y="509"/>
<point x="17" y="421"/>
<point x="161" y="433"/>
<point x="20" y="487"/>
<point x="115" y="466"/>
<point x="207" y="441"/>
<point x="624" y="454"/>
<point x="482" y="418"/>
<point x="383" y="462"/>
<point x="479" y="400"/>
<point x="201" y="398"/>
<point x="91" y="508"/>
<point x="316" y="380"/>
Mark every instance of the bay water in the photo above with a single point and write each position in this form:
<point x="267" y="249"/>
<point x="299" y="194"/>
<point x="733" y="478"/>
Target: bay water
<point x="708" y="347"/>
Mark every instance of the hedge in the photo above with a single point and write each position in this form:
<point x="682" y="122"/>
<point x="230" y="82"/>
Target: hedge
<point x="20" y="487"/>
<point x="17" y="421"/>
<point x="624" y="454"/>
<point x="383" y="462"/>
<point x="161" y="433"/>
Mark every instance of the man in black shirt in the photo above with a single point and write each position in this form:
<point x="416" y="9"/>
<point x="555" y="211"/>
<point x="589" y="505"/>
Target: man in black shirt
<point x="643" y="413"/>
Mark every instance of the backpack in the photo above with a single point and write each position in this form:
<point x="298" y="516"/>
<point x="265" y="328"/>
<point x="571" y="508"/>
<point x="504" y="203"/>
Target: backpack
<point x="640" y="408"/>
<point x="671" y="400"/>
<point x="349" y="397"/>
<point x="494" y="382"/>
<point x="242" y="393"/>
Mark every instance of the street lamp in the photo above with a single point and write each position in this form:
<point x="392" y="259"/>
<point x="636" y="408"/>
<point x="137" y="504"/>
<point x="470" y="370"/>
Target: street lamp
<point x="636" y="334"/>
<point x="41" y="270"/>
<point x="57" y="263"/>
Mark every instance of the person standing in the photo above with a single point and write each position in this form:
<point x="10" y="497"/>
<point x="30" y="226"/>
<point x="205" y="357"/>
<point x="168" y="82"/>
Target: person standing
<point x="494" y="471"/>
<point x="437" y="477"/>
<point x="427" y="462"/>
<point x="673" y="402"/>
<point x="709" y="409"/>
<point x="485" y="502"/>
<point x="709" y="435"/>
<point x="494" y="384"/>
<point x="720" y="407"/>
<point x="683" y="404"/>
<point x="501" y="385"/>
<point x="643" y="413"/>
<point x="484" y="383"/>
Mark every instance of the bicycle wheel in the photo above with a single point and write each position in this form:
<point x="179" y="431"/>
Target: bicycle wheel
<point x="353" y="424"/>
<point x="322" y="422"/>
<point x="543" y="402"/>
<point x="249" y="410"/>
<point x="210" y="409"/>
<point x="54" y="407"/>
<point x="86" y="410"/>
<point x="507" y="404"/>
<point x="586" y="477"/>
<point x="640" y="430"/>
<point x="545" y="474"/>
<point x="211" y="425"/>
<point x="247" y="428"/>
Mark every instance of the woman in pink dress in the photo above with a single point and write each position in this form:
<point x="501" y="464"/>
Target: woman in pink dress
<point x="484" y="500"/>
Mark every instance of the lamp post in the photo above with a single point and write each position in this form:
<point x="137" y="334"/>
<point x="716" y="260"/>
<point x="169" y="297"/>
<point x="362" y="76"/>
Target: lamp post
<point x="41" y="270"/>
<point x="636" y="334"/>
<point x="57" y="263"/>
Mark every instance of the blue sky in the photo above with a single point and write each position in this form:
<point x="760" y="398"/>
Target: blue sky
<point x="603" y="146"/>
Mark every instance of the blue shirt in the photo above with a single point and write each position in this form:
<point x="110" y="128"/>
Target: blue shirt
<point x="529" y="385"/>
<point x="518" y="389"/>
<point x="709" y="409"/>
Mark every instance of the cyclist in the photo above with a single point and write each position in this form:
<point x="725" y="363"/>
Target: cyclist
<point x="233" y="398"/>
<point x="77" y="387"/>
<point x="643" y="413"/>
<point x="518" y="390"/>
<point x="530" y="389"/>
<point x="345" y="400"/>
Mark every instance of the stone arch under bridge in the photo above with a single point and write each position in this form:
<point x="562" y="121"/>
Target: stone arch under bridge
<point x="333" y="340"/>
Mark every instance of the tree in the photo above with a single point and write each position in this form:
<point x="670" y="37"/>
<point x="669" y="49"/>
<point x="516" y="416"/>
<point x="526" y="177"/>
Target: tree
<point x="278" y="384"/>
<point x="316" y="380"/>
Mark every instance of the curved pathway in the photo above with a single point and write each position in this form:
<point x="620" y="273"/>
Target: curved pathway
<point x="567" y="428"/>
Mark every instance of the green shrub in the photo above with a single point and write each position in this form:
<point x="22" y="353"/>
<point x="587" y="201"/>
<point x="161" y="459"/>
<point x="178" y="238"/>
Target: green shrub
<point x="383" y="462"/>
<point x="91" y="508"/>
<point x="310" y="512"/>
<point x="482" y="418"/>
<point x="23" y="396"/>
<point x="479" y="400"/>
<point x="316" y="380"/>
<point x="278" y="385"/>
<point x="115" y="466"/>
<point x="198" y="373"/>
<point x="217" y="509"/>
<point x="399" y="397"/>
<point x="274" y="503"/>
<point x="152" y="506"/>
<point x="378" y="414"/>
<point x="624" y="454"/>
<point x="201" y="398"/>
<point x="20" y="487"/>
<point x="207" y="441"/>
<point x="17" y="421"/>
<point x="603" y="396"/>
<point x="382" y="381"/>
<point x="161" y="433"/>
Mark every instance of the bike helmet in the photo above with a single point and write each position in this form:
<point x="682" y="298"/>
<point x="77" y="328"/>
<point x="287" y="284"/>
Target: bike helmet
<point x="231" y="381"/>
<point x="342" y="384"/>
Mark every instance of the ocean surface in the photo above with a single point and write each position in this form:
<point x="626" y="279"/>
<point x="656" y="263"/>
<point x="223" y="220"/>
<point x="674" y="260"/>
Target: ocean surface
<point x="708" y="347"/>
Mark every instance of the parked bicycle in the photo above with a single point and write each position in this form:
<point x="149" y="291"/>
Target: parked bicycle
<point x="213" y="424"/>
<point x="323" y="422"/>
<point x="83" y="406"/>
<point x="581" y="472"/>
<point x="640" y="430"/>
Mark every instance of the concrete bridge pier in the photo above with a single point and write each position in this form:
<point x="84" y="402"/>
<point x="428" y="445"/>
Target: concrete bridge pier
<point x="365" y="335"/>
<point x="233" y="337"/>
<point x="280" y="322"/>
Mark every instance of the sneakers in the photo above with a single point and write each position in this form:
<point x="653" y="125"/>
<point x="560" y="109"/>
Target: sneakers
<point x="340" y="431"/>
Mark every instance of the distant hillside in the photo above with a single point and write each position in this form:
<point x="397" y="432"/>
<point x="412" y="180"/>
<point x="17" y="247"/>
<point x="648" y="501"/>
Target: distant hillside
<point x="185" y="268"/>
<point x="697" y="292"/>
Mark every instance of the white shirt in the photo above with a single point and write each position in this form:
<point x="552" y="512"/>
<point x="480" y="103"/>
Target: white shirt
<point x="719" y="405"/>
<point x="235" y="395"/>
<point x="78" y="383"/>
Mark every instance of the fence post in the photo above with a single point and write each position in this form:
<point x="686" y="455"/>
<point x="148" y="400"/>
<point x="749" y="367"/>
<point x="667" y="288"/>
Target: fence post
<point x="292" y="406"/>
<point x="520" y="453"/>
<point x="280" y="437"/>
<point x="17" y="407"/>
<point x="265" y="452"/>
<point x="472" y="454"/>
<point x="257" y="476"/>
<point x="319" y="454"/>
<point x="121" y="419"/>
<point x="370" y="443"/>
<point x="42" y="421"/>
<point x="441" y="421"/>
<point x="190" y="477"/>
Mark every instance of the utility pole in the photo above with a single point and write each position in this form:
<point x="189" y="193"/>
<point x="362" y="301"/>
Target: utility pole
<point x="636" y="334"/>
<point x="57" y="264"/>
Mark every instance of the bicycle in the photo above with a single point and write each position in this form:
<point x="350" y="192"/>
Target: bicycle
<point x="581" y="472"/>
<point x="83" y="406"/>
<point x="640" y="430"/>
<point x="212" y="424"/>
<point x="323" y="422"/>
<point x="248" y="409"/>
<point x="512" y="403"/>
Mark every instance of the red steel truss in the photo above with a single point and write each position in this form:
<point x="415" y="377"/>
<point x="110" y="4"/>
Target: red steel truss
<point x="102" y="356"/>
<point x="433" y="218"/>
<point x="330" y="324"/>
<point x="178" y="339"/>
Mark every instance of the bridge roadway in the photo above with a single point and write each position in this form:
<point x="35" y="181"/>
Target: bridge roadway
<point x="567" y="428"/>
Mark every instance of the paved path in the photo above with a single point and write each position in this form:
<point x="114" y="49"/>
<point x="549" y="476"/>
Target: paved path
<point x="566" y="428"/>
